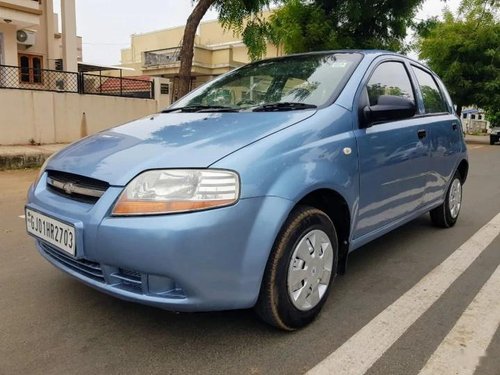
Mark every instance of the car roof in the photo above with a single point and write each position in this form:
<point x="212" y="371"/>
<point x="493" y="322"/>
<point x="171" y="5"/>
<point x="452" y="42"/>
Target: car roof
<point x="366" y="52"/>
<point x="371" y="53"/>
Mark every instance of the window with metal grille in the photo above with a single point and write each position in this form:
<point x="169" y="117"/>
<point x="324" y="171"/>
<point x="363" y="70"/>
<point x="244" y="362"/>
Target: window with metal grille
<point x="59" y="64"/>
<point x="165" y="88"/>
<point x="31" y="68"/>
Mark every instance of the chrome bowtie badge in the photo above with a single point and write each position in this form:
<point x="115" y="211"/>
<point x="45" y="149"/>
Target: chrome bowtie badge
<point x="347" y="151"/>
<point x="69" y="188"/>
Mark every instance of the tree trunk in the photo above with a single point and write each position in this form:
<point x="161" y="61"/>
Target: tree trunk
<point x="187" y="48"/>
<point x="459" y="110"/>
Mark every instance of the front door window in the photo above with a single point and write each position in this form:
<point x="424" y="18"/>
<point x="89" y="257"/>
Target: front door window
<point x="390" y="78"/>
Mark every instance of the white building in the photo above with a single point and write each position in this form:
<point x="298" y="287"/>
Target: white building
<point x="474" y="121"/>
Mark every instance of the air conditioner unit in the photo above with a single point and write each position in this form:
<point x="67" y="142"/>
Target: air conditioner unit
<point x="26" y="37"/>
<point x="60" y="84"/>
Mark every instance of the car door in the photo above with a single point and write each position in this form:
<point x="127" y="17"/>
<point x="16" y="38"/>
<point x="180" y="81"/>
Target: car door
<point x="444" y="133"/>
<point x="393" y="155"/>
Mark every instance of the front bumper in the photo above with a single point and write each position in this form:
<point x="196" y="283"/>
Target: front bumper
<point x="201" y="261"/>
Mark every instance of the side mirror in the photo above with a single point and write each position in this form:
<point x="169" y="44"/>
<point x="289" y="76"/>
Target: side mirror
<point x="389" y="108"/>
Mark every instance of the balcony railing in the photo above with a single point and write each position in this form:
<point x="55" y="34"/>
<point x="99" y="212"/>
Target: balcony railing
<point x="14" y="77"/>
<point x="161" y="57"/>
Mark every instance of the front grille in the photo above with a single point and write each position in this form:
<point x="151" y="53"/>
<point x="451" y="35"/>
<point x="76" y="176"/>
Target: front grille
<point x="76" y="187"/>
<point x="130" y="275"/>
<point x="119" y="278"/>
<point x="129" y="280"/>
<point x="85" y="267"/>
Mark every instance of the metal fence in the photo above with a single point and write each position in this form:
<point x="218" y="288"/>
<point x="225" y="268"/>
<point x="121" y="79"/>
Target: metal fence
<point x="117" y="86"/>
<point x="14" y="77"/>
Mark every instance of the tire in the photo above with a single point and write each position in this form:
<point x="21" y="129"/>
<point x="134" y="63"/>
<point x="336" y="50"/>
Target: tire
<point x="446" y="215"/>
<point x="492" y="140"/>
<point x="288" y="298"/>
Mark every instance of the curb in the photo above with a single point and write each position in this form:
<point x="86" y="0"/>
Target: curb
<point x="27" y="156"/>
<point x="473" y="141"/>
<point x="23" y="161"/>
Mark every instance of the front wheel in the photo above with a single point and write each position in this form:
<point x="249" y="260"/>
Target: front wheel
<point x="300" y="270"/>
<point x="446" y="215"/>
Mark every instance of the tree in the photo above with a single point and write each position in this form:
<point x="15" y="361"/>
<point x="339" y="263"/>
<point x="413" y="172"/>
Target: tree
<point x="464" y="50"/>
<point x="231" y="13"/>
<point x="301" y="26"/>
<point x="304" y="25"/>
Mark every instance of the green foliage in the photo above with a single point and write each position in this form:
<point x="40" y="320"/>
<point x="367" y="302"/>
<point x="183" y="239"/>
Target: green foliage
<point x="493" y="116"/>
<point x="432" y="100"/>
<point x="465" y="51"/>
<point x="254" y="34"/>
<point x="233" y="13"/>
<point x="245" y="17"/>
<point x="312" y="25"/>
<point x="299" y="26"/>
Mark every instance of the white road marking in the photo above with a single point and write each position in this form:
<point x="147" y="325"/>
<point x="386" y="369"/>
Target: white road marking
<point x="462" y="349"/>
<point x="476" y="147"/>
<point x="365" y="347"/>
<point x="22" y="216"/>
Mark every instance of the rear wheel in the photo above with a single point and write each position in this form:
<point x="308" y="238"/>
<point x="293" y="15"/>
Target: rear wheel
<point x="446" y="215"/>
<point x="300" y="270"/>
<point x="493" y="140"/>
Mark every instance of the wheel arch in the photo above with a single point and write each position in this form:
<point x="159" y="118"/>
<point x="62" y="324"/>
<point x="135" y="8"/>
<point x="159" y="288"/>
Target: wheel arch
<point x="337" y="209"/>
<point x="463" y="169"/>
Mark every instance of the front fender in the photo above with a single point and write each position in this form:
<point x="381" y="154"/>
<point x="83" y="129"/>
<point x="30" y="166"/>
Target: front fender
<point x="318" y="153"/>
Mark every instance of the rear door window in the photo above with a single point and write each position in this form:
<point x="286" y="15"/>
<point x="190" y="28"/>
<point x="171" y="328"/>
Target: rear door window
<point x="432" y="96"/>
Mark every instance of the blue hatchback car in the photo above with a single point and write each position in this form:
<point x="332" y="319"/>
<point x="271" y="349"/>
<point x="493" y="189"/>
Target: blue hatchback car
<point x="252" y="190"/>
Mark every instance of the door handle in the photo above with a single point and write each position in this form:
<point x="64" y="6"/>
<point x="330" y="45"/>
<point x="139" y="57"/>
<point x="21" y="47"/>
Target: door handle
<point x="455" y="126"/>
<point x="421" y="134"/>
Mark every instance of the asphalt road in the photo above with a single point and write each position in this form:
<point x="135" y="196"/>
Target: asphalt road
<point x="51" y="324"/>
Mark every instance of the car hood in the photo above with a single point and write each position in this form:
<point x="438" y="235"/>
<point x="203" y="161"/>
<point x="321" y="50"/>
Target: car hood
<point x="181" y="140"/>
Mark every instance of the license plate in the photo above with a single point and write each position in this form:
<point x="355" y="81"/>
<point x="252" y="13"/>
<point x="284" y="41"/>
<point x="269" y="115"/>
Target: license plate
<point x="53" y="231"/>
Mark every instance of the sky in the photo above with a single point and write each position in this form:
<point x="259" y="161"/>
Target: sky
<point x="106" y="26"/>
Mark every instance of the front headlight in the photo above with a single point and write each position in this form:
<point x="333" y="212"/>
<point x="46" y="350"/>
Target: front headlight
<point x="178" y="190"/>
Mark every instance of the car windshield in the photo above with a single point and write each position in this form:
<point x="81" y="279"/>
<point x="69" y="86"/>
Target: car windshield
<point x="289" y="83"/>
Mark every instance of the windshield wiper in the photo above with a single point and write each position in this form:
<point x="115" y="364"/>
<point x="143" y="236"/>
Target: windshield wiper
<point x="285" y="106"/>
<point x="201" y="108"/>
